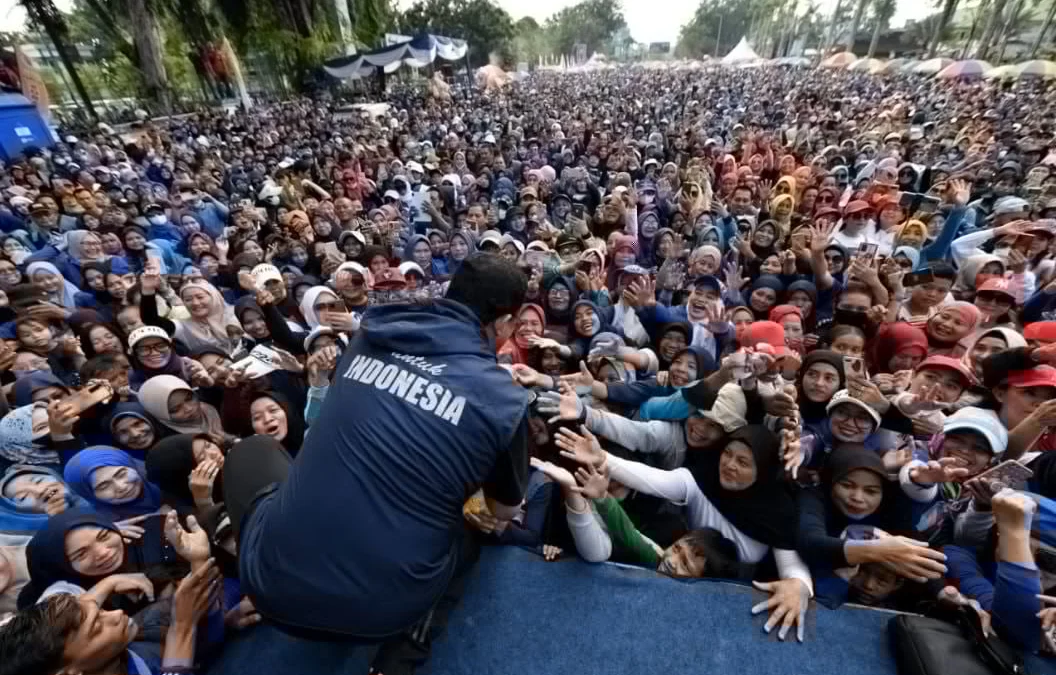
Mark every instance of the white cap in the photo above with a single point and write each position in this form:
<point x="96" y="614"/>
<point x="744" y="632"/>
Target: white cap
<point x="490" y="235"/>
<point x="263" y="273"/>
<point x="144" y="332"/>
<point x="844" y="397"/>
<point x="415" y="166"/>
<point x="392" y="194"/>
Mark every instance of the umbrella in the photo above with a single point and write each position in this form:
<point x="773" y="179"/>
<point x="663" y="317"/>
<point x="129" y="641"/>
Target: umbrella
<point x="1008" y="72"/>
<point x="840" y="60"/>
<point x="969" y="68"/>
<point x="1037" y="68"/>
<point x="794" y="61"/>
<point x="931" y="66"/>
<point x="896" y="65"/>
<point x="867" y="66"/>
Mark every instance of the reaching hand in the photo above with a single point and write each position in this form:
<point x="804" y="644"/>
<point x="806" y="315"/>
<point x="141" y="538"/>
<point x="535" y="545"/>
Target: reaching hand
<point x="820" y="236"/>
<point x="134" y="585"/>
<point x="242" y="615"/>
<point x="526" y="376"/>
<point x="958" y="192"/>
<point x="604" y="348"/>
<point x="734" y="281"/>
<point x="910" y="558"/>
<point x="582" y="382"/>
<point x="200" y="377"/>
<point x="944" y="470"/>
<point x="788" y="603"/>
<point x="584" y="448"/>
<point x="896" y="459"/>
<point x="62" y="416"/>
<point x="983" y="490"/>
<point x="288" y="361"/>
<point x="566" y="407"/>
<point x="558" y="474"/>
<point x="595" y="481"/>
<point x="195" y="594"/>
<point x="131" y="529"/>
<point x="192" y="545"/>
<point x="791" y="452"/>
<point x="543" y="342"/>
<point x="342" y="321"/>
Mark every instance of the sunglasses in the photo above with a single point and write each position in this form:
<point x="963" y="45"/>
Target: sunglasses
<point x="327" y="307"/>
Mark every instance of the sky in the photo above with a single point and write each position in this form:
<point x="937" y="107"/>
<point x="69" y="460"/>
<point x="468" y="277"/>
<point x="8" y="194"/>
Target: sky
<point x="649" y="20"/>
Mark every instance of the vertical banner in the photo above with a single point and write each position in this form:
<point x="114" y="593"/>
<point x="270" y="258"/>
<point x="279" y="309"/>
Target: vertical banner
<point x="33" y="86"/>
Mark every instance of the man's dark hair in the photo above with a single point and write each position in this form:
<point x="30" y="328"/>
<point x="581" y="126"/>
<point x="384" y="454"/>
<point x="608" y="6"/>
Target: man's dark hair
<point x="719" y="552"/>
<point x="855" y="286"/>
<point x="489" y="285"/>
<point x="942" y="270"/>
<point x="32" y="642"/>
<point x="98" y="366"/>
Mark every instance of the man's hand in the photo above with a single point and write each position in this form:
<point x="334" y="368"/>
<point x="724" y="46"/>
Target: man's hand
<point x="566" y="407"/>
<point x="242" y="615"/>
<point x="868" y="393"/>
<point x="559" y="475"/>
<point x="982" y="491"/>
<point x="584" y="448"/>
<point x="62" y="417"/>
<point x="788" y="603"/>
<point x="791" y="452"/>
<point x="200" y="377"/>
<point x="192" y="545"/>
<point x="582" y="382"/>
<point x="134" y="585"/>
<point x="320" y="364"/>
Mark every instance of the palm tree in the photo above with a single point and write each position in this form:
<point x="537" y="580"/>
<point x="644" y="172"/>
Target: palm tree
<point x="149" y="43"/>
<point x="831" y="37"/>
<point x="856" y="21"/>
<point x="993" y="20"/>
<point x="46" y="15"/>
<point x="885" y="9"/>
<point x="948" y="8"/>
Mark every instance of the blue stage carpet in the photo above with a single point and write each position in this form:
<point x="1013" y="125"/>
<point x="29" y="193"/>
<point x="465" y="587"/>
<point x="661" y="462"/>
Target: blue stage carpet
<point x="522" y="616"/>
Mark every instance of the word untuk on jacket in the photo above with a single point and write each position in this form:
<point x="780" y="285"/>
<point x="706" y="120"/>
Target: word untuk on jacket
<point x="408" y="386"/>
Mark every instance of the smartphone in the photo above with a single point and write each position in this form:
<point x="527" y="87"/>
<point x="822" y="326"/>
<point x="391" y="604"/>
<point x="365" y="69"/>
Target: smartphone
<point x="929" y="205"/>
<point x="918" y="278"/>
<point x="1011" y="474"/>
<point x="578" y="210"/>
<point x="867" y="252"/>
<point x="91" y="394"/>
<point x="854" y="365"/>
<point x="906" y="199"/>
<point x="1023" y="243"/>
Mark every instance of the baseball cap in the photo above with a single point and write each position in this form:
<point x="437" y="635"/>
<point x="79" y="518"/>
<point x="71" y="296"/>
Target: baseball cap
<point x="263" y="273"/>
<point x="1038" y="376"/>
<point x="984" y="422"/>
<point x="768" y="333"/>
<point x="636" y="270"/>
<point x="39" y="207"/>
<point x="705" y="280"/>
<point x="392" y="194"/>
<point x="948" y="363"/>
<point x="826" y="211"/>
<point x="491" y="236"/>
<point x="351" y="233"/>
<point x="411" y="266"/>
<point x="997" y="285"/>
<point x="415" y="166"/>
<point x="843" y="397"/>
<point x="1040" y="330"/>
<point x="857" y="206"/>
<point x="1007" y="205"/>
<point x="390" y="279"/>
<point x="144" y="332"/>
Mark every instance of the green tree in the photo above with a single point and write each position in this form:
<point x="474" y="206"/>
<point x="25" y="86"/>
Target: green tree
<point x="43" y="14"/>
<point x="856" y="22"/>
<point x="940" y="26"/>
<point x="591" y="22"/>
<point x="529" y="41"/>
<point x="481" y="23"/>
<point x="371" y="19"/>
<point x="883" y="11"/>
<point x="701" y="35"/>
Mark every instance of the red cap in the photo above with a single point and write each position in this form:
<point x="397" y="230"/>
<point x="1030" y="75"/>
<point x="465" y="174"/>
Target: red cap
<point x="769" y="333"/>
<point x="998" y="285"/>
<point x="949" y="363"/>
<point x="1038" y="376"/>
<point x="823" y="211"/>
<point x="1041" y="330"/>
<point x="857" y="206"/>
<point x="390" y="279"/>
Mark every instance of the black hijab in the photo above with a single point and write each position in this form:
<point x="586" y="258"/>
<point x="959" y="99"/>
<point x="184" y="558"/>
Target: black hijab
<point x="765" y="511"/>
<point x="895" y="513"/>
<point x="813" y="410"/>
<point x="294" y="420"/>
<point x="169" y="465"/>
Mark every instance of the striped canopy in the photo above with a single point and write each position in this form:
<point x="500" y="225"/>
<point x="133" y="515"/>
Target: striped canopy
<point x="1037" y="68"/>
<point x="967" y="69"/>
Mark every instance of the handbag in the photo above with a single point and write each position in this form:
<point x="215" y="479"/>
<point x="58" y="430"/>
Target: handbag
<point x="927" y="646"/>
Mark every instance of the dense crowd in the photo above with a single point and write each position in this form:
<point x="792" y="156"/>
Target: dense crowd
<point x="794" y="328"/>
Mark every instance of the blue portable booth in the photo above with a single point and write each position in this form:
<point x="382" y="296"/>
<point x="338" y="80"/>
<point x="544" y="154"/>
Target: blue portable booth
<point x="21" y="125"/>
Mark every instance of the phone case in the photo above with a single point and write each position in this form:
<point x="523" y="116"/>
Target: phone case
<point x="1011" y="473"/>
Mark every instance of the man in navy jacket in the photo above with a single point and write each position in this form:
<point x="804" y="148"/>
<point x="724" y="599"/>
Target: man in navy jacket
<point x="365" y="533"/>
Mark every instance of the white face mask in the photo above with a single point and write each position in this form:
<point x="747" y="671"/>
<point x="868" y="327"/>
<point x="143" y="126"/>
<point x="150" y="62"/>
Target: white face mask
<point x="157" y="220"/>
<point x="18" y="256"/>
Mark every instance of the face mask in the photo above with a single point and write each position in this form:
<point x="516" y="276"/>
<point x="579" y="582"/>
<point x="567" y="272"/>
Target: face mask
<point x="18" y="256"/>
<point x="157" y="220"/>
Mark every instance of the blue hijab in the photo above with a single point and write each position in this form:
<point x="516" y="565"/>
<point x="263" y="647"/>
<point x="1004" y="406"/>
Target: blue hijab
<point x="133" y="409"/>
<point x="20" y="517"/>
<point x="78" y="474"/>
<point x="34" y="381"/>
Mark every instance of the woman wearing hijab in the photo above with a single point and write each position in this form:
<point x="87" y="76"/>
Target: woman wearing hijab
<point x="133" y="429"/>
<point x="60" y="290"/>
<point x="59" y="552"/>
<point x="30" y="495"/>
<point x="953" y="322"/>
<point x="462" y="243"/>
<point x="973" y="272"/>
<point x="112" y="482"/>
<point x="912" y="234"/>
<point x="23" y="432"/>
<point x="81" y="247"/>
<point x="418" y="250"/>
<point x="986" y="343"/>
<point x="172" y="402"/>
<point x="557" y="302"/>
<point x="837" y="521"/>
<point x="212" y="321"/>
<point x="762" y="296"/>
<point x="739" y="492"/>
<point x="898" y="346"/>
<point x="763" y="244"/>
<point x="271" y="414"/>
<point x="316" y="300"/>
<point x="818" y="380"/>
<point x="531" y="322"/>
<point x="170" y="463"/>
<point x="151" y="353"/>
<point x="804" y="294"/>
<point x="781" y="209"/>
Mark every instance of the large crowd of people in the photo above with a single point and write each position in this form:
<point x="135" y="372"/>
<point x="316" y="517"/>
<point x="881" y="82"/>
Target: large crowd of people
<point x="795" y="328"/>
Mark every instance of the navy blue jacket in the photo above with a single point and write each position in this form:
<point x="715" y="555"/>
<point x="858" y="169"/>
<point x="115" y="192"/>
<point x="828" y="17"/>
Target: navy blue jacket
<point x="361" y="538"/>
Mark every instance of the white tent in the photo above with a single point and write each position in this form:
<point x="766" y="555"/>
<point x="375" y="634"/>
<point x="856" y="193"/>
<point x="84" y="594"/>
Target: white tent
<point x="742" y="53"/>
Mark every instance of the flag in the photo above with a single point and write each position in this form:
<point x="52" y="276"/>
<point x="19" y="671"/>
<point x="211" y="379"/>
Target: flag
<point x="33" y="86"/>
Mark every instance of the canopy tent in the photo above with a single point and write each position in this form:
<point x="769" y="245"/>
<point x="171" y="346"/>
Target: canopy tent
<point x="421" y="50"/>
<point x="742" y="53"/>
<point x="21" y="126"/>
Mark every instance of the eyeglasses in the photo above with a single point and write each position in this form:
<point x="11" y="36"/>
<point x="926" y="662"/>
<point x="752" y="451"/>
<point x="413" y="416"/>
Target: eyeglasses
<point x="160" y="348"/>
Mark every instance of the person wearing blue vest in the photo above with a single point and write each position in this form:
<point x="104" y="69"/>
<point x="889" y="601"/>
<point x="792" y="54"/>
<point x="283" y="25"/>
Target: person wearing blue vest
<point x="419" y="415"/>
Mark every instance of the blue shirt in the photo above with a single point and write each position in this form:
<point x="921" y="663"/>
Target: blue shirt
<point x="369" y="518"/>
